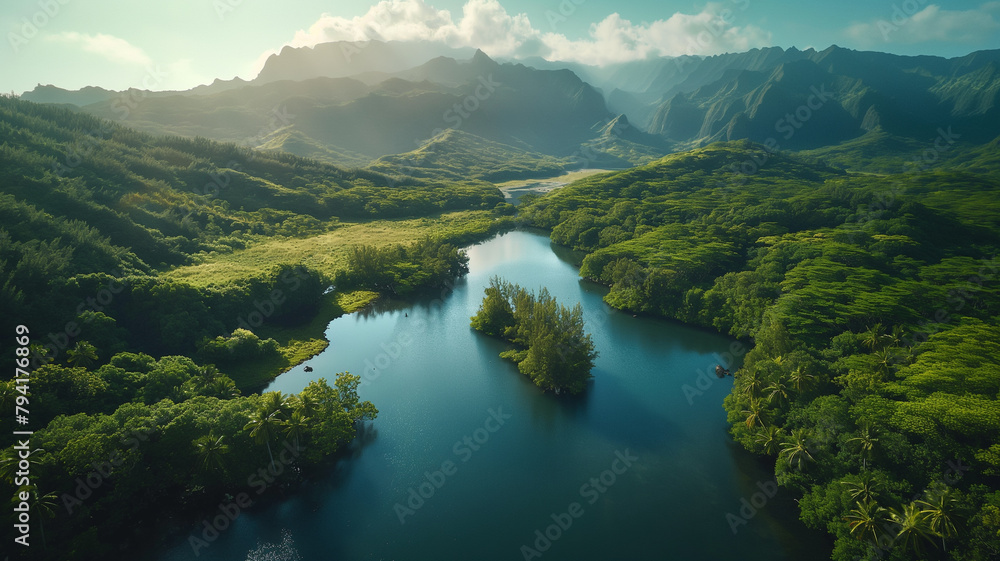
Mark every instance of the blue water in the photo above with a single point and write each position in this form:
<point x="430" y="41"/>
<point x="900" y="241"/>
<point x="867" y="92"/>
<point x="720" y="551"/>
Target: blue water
<point x="638" y="468"/>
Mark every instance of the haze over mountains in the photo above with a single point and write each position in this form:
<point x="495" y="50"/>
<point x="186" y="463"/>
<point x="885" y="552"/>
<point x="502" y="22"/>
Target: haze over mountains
<point x="354" y="103"/>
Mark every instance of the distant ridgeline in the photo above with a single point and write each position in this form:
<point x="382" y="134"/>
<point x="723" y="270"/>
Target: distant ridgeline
<point x="873" y="302"/>
<point x="554" y="351"/>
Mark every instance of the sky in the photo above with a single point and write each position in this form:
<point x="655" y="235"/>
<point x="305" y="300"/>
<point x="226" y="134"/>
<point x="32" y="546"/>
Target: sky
<point x="178" y="44"/>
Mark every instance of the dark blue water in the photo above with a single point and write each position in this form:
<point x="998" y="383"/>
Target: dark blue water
<point x="639" y="468"/>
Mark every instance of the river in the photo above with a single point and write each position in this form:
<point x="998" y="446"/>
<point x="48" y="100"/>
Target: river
<point x="470" y="461"/>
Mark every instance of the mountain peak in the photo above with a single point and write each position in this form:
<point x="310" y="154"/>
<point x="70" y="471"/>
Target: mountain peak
<point x="482" y="59"/>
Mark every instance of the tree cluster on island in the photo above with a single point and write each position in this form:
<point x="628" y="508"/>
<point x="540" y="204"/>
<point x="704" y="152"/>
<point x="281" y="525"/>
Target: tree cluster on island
<point x="552" y="347"/>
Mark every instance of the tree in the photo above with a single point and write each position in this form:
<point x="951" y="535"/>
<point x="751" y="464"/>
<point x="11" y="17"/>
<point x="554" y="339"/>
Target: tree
<point x="867" y="521"/>
<point x="82" y="354"/>
<point x="801" y="379"/>
<point x="295" y="426"/>
<point x="276" y="403"/>
<point x="770" y="439"/>
<point x="795" y="449"/>
<point x="866" y="444"/>
<point x="211" y="450"/>
<point x="874" y="337"/>
<point x="307" y="404"/>
<point x="777" y="391"/>
<point x="914" y="527"/>
<point x="939" y="505"/>
<point x="495" y="315"/>
<point x="43" y="506"/>
<point x="754" y="413"/>
<point x="863" y="487"/>
<point x="263" y="426"/>
<point x="752" y="382"/>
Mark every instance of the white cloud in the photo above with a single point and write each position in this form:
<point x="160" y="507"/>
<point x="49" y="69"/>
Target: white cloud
<point x="485" y="24"/>
<point x="399" y="20"/>
<point x="929" y="24"/>
<point x="110" y="47"/>
<point x="618" y="40"/>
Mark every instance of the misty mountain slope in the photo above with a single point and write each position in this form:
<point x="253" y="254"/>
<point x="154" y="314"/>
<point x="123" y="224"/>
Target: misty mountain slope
<point x="347" y="58"/>
<point x="833" y="96"/>
<point x="758" y="106"/>
<point x="460" y="155"/>
<point x="400" y="95"/>
<point x="346" y="121"/>
<point x="295" y="142"/>
<point x="618" y="145"/>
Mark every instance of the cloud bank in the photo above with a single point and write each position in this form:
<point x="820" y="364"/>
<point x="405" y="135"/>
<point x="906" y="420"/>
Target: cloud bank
<point x="485" y="24"/>
<point x="907" y="25"/>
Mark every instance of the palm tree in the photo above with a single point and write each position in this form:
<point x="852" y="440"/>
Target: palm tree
<point x="884" y="359"/>
<point x="41" y="351"/>
<point x="296" y="426"/>
<point x="223" y="388"/>
<point x="777" y="391"/>
<point x="796" y="450"/>
<point x="770" y="439"/>
<point x="263" y="426"/>
<point x="276" y="402"/>
<point x="753" y="383"/>
<point x="874" y="337"/>
<point x="306" y="403"/>
<point x="43" y="506"/>
<point x="938" y="505"/>
<point x="82" y="354"/>
<point x="863" y="487"/>
<point x="866" y="443"/>
<point x="895" y="337"/>
<point x="754" y="413"/>
<point x="211" y="451"/>
<point x="10" y="460"/>
<point x="800" y="379"/>
<point x="914" y="527"/>
<point x="867" y="521"/>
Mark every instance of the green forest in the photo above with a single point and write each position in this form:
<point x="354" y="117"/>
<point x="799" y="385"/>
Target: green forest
<point x="144" y="389"/>
<point x="866" y="281"/>
<point x="873" y="305"/>
<point x="553" y="350"/>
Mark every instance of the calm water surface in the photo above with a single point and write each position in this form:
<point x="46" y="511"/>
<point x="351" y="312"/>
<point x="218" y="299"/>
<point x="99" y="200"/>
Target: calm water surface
<point x="436" y="382"/>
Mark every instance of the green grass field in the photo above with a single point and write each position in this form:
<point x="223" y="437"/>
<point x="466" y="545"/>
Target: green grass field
<point x="327" y="252"/>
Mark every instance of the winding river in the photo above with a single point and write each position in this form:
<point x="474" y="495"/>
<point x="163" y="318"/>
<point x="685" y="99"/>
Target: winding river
<point x="469" y="461"/>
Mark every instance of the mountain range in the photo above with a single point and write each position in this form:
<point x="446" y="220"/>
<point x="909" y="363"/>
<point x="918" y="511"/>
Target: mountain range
<point x="356" y="104"/>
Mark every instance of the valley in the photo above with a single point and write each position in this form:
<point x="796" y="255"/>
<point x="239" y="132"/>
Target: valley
<point x="395" y="297"/>
<point x="515" y="189"/>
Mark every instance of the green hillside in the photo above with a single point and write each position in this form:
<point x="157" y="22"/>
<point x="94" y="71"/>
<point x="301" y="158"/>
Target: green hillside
<point x="874" y="309"/>
<point x="82" y="197"/>
<point x="457" y="155"/>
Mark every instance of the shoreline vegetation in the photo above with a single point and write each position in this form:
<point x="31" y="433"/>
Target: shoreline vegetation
<point x="165" y="280"/>
<point x="874" y="309"/>
<point x="552" y="348"/>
